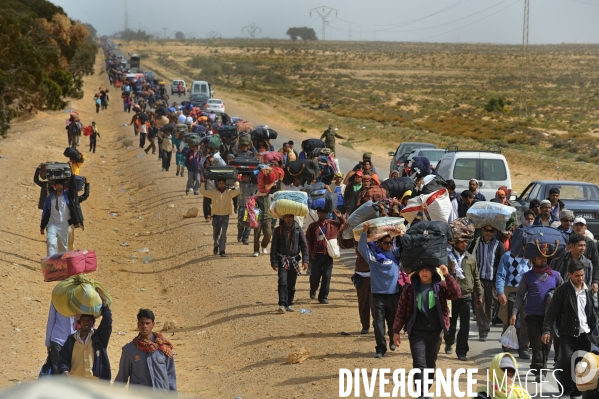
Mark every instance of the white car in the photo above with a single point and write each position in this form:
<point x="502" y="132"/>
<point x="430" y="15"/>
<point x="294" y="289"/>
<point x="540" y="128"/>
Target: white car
<point x="215" y="105"/>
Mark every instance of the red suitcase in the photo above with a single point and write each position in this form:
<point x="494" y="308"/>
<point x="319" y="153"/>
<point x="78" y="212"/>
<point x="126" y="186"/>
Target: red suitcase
<point x="61" y="266"/>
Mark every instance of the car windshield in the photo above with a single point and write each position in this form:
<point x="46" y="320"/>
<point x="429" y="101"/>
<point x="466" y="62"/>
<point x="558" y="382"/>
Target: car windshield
<point x="215" y="101"/>
<point x="433" y="156"/>
<point x="576" y="192"/>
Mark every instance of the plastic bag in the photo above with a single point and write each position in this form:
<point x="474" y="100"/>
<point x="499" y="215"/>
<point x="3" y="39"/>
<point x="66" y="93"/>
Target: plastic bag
<point x="438" y="207"/>
<point x="77" y="295"/>
<point x="509" y="339"/>
<point x="380" y="227"/>
<point x="586" y="373"/>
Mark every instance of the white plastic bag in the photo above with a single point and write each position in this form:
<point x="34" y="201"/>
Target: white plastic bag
<point x="438" y="207"/>
<point x="509" y="339"/>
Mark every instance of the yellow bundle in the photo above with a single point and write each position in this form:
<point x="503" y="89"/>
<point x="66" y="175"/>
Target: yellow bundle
<point x="77" y="295"/>
<point x="586" y="372"/>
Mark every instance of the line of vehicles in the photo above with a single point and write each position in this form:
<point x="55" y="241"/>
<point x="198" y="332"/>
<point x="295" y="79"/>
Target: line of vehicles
<point x="491" y="170"/>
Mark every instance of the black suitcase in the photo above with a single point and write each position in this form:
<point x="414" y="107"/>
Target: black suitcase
<point x="310" y="145"/>
<point x="221" y="172"/>
<point x="243" y="163"/>
<point x="58" y="171"/>
<point x="227" y="131"/>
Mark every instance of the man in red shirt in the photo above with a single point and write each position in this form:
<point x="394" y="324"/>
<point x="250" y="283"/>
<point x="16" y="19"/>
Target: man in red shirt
<point x="318" y="233"/>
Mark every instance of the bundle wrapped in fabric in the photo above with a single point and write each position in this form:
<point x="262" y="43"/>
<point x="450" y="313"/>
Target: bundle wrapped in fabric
<point x="253" y="213"/>
<point x="248" y="218"/>
<point x="244" y="126"/>
<point x="381" y="227"/>
<point x="272" y="157"/>
<point x="289" y="203"/>
<point x="435" y="206"/>
<point x="214" y="142"/>
<point x="267" y="178"/>
<point x="586" y="372"/>
<point x="533" y="241"/>
<point x="367" y="211"/>
<point x="491" y="214"/>
<point x="461" y="229"/>
<point x="77" y="295"/>
<point x="63" y="265"/>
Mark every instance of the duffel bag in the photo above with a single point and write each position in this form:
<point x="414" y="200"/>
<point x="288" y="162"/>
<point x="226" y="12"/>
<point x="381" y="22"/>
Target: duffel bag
<point x="491" y="214"/>
<point x="220" y="173"/>
<point x="245" y="139"/>
<point x="73" y="154"/>
<point x="214" y="142"/>
<point x="314" y="189"/>
<point x="194" y="140"/>
<point x="272" y="157"/>
<point x="303" y="169"/>
<point x="263" y="133"/>
<point x="397" y="186"/>
<point x="380" y="227"/>
<point x="438" y="207"/>
<point x="198" y="129"/>
<point x="436" y="184"/>
<point x="367" y="211"/>
<point x="227" y="131"/>
<point x="77" y="295"/>
<point x="536" y="241"/>
<point x="324" y="202"/>
<point x="289" y="203"/>
<point x="169" y="127"/>
<point x="57" y="171"/>
<point x="63" y="265"/>
<point x="309" y="145"/>
<point x="425" y="244"/>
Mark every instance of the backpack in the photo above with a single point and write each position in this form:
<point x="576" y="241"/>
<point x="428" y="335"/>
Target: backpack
<point x="74" y="129"/>
<point x="425" y="243"/>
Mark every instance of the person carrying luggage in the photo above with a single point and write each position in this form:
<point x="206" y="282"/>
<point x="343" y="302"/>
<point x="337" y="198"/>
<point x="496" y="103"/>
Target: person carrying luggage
<point x="93" y="138"/>
<point x="222" y="207"/>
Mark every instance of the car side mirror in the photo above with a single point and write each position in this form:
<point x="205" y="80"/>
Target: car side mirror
<point x="390" y="153"/>
<point x="513" y="197"/>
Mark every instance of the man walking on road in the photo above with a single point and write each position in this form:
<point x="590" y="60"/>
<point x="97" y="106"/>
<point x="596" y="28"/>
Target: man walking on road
<point x="222" y="207"/>
<point x="329" y="138"/>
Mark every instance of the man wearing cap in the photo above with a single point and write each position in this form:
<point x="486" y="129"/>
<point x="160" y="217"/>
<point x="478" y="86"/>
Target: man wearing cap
<point x="350" y="195"/>
<point x="580" y="227"/>
<point x="329" y="138"/>
<point x="473" y="187"/>
<point x="592" y="254"/>
<point x="500" y="197"/>
<point x="339" y="188"/>
<point x="545" y="218"/>
<point x="461" y="205"/>
<point x="556" y="204"/>
<point x="507" y="280"/>
<point x="566" y="218"/>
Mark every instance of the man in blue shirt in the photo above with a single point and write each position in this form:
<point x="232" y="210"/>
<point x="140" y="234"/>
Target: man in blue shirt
<point x="473" y="187"/>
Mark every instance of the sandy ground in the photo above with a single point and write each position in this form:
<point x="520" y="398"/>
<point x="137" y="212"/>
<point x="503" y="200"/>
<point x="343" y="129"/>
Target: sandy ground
<point x="229" y="339"/>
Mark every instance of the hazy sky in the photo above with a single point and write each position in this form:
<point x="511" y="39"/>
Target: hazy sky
<point x="481" y="21"/>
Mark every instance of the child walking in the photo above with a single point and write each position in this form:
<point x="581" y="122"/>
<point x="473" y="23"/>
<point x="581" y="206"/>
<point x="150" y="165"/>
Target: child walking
<point x="178" y="144"/>
<point x="93" y="137"/>
<point x="167" y="149"/>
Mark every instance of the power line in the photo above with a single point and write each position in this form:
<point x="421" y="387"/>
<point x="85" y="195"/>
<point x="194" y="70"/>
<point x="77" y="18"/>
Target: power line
<point x="323" y="13"/>
<point x="585" y="2"/>
<point x="399" y="24"/>
<point x="213" y="35"/>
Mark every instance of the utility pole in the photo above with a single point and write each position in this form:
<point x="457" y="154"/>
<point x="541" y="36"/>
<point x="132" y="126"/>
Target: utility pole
<point x="126" y="17"/>
<point x="251" y="30"/>
<point x="213" y="35"/>
<point x="323" y="13"/>
<point x="525" y="63"/>
<point x="349" y="33"/>
<point x="164" y="30"/>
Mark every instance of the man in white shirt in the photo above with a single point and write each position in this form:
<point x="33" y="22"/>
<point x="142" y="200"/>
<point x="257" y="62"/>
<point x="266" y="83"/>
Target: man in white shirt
<point x="573" y="310"/>
<point x="55" y="219"/>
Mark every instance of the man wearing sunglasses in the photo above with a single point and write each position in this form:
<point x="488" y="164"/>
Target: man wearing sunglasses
<point x="489" y="251"/>
<point x="384" y="285"/>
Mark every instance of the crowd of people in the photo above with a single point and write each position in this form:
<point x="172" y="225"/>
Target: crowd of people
<point x="480" y="274"/>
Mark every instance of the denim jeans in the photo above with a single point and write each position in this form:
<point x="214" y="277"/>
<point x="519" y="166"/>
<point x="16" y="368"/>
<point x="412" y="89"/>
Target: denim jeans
<point x="193" y="181"/>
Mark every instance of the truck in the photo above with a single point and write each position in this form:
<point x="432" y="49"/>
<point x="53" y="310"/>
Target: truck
<point x="134" y="62"/>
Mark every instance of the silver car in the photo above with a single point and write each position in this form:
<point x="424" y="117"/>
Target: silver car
<point x="215" y="105"/>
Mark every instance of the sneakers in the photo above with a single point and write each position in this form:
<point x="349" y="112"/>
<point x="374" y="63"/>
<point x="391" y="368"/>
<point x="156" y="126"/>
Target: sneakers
<point x="524" y="355"/>
<point x="482" y="338"/>
<point x="265" y="251"/>
<point x="196" y="193"/>
<point x="324" y="301"/>
<point x="364" y="331"/>
<point x="215" y="250"/>
<point x="392" y="347"/>
<point x="448" y="349"/>
<point x="282" y="309"/>
<point x="379" y="355"/>
<point x="246" y="243"/>
<point x="256" y="254"/>
<point x="223" y="255"/>
<point x="462" y="358"/>
<point x="312" y="294"/>
<point x="290" y="309"/>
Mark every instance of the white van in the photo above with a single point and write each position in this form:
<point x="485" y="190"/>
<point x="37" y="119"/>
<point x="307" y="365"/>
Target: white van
<point x="201" y="87"/>
<point x="490" y="168"/>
